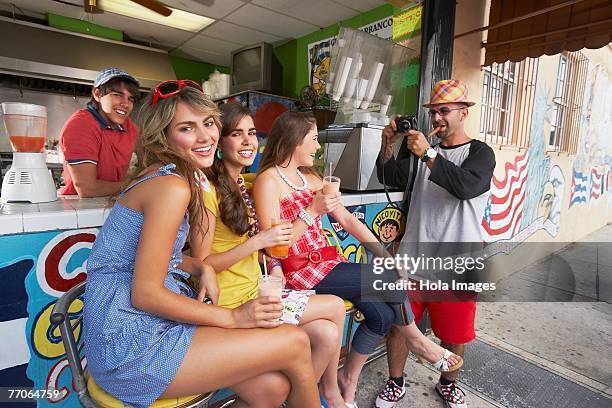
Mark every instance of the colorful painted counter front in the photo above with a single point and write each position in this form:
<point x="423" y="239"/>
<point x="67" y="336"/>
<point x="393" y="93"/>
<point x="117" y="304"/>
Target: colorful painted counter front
<point x="43" y="253"/>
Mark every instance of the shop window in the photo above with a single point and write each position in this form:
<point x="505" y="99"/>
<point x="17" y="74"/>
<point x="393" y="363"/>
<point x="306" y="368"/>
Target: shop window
<point x="507" y="101"/>
<point x="567" y="102"/>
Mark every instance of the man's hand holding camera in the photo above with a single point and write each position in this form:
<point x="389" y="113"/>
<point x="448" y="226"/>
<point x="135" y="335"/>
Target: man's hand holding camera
<point x="390" y="136"/>
<point x="404" y="127"/>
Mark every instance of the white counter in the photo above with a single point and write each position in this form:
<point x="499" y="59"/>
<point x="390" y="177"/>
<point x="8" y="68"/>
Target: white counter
<point x="72" y="212"/>
<point x="349" y="199"/>
<point x="68" y="212"/>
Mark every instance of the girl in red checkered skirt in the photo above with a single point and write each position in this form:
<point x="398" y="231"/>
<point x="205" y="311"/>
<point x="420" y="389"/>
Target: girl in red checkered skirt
<point x="288" y="186"/>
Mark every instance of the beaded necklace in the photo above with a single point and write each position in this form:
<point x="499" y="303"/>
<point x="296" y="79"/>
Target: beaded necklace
<point x="244" y="192"/>
<point x="304" y="185"/>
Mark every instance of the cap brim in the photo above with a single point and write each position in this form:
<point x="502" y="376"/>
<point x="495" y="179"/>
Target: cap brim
<point x="468" y="103"/>
<point x="126" y="77"/>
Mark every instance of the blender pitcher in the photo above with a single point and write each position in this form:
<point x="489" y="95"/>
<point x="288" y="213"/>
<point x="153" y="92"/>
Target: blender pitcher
<point x="28" y="179"/>
<point x="26" y="126"/>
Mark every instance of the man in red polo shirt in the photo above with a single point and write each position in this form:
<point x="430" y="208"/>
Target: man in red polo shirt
<point x="98" y="141"/>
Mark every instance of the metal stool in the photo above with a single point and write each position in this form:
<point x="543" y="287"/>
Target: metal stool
<point x="89" y="393"/>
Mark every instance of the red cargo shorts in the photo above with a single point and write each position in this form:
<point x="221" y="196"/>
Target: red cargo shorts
<point x="452" y="313"/>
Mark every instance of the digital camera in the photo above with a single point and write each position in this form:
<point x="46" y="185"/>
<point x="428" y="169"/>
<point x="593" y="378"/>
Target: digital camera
<point x="406" y="123"/>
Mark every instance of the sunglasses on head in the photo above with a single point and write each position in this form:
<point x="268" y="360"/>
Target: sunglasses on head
<point x="170" y="88"/>
<point x="443" y="111"/>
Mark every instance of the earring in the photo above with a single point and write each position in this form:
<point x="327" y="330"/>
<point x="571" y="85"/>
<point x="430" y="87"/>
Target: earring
<point x="219" y="154"/>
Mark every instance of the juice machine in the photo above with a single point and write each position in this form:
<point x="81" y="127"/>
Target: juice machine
<point x="28" y="179"/>
<point x="365" y="84"/>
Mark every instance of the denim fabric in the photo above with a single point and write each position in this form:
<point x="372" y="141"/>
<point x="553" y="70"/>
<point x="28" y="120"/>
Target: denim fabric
<point x="345" y="281"/>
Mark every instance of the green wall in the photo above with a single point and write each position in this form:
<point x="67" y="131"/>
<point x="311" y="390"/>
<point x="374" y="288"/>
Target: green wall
<point x="194" y="70"/>
<point x="294" y="54"/>
<point x="287" y="56"/>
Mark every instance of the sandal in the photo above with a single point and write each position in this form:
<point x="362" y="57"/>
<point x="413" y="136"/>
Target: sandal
<point x="351" y="404"/>
<point x="442" y="364"/>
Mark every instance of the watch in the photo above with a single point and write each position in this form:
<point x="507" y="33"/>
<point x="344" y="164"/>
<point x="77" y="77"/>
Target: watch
<point x="429" y="154"/>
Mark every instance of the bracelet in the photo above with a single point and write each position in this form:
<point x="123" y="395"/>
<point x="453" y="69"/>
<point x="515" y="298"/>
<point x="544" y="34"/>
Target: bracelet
<point x="307" y="218"/>
<point x="273" y="262"/>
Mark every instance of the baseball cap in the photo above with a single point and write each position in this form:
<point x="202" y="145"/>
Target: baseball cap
<point x="112" y="73"/>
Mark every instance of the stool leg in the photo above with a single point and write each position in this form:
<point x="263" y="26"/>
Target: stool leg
<point x="349" y="333"/>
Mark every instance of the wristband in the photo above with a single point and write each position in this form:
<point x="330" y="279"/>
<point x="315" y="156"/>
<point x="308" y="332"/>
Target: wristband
<point x="273" y="262"/>
<point x="307" y="218"/>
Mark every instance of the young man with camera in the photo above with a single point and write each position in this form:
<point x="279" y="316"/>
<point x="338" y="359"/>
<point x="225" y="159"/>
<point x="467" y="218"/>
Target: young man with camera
<point x="448" y="188"/>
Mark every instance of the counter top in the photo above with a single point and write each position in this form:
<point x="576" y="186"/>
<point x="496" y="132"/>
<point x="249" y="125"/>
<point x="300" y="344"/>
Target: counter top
<point x="349" y="199"/>
<point x="72" y="212"/>
<point x="67" y="212"/>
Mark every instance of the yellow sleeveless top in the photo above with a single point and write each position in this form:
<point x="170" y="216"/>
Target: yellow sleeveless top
<point x="239" y="282"/>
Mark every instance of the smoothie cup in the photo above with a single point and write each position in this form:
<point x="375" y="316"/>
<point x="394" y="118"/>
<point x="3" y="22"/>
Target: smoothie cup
<point x="279" y="251"/>
<point x="331" y="184"/>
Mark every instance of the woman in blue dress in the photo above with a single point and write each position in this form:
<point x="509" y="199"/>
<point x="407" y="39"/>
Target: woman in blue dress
<point x="147" y="334"/>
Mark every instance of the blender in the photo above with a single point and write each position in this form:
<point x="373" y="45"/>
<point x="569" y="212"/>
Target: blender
<point x="28" y="179"/>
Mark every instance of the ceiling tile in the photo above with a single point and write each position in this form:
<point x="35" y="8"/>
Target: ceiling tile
<point x="202" y="42"/>
<point x="244" y="22"/>
<point x="261" y="19"/>
<point x="310" y="11"/>
<point x="202" y="55"/>
<point x="362" y="5"/>
<point x="209" y="8"/>
<point x="138" y="29"/>
<point x="142" y="29"/>
<point x="238" y="34"/>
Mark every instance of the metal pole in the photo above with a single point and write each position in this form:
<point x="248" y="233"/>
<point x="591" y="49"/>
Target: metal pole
<point x="438" y="27"/>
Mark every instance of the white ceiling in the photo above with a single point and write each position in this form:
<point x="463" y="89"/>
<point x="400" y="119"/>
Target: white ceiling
<point x="238" y="22"/>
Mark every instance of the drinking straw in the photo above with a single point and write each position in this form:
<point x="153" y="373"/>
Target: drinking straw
<point x="265" y="266"/>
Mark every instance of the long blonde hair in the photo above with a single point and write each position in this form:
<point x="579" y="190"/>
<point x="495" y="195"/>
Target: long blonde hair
<point x="152" y="144"/>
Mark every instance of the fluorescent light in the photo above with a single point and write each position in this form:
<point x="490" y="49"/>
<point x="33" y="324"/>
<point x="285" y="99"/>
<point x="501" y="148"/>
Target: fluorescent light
<point x="178" y="19"/>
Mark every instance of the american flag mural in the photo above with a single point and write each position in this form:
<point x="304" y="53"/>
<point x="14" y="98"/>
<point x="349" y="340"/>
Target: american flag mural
<point x="609" y="183"/>
<point x="597" y="183"/>
<point x="578" y="193"/>
<point x="505" y="208"/>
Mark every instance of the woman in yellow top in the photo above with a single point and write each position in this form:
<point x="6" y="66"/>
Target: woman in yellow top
<point x="230" y="242"/>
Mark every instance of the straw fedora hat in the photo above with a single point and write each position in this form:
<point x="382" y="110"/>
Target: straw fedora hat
<point x="449" y="91"/>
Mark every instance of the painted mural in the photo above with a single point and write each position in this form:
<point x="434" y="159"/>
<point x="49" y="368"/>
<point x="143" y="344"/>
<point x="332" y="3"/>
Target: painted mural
<point x="385" y="221"/>
<point x="528" y="198"/>
<point x="530" y="194"/>
<point x="37" y="269"/>
<point x="591" y="175"/>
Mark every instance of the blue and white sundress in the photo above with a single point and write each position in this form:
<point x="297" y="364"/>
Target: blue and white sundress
<point x="131" y="354"/>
